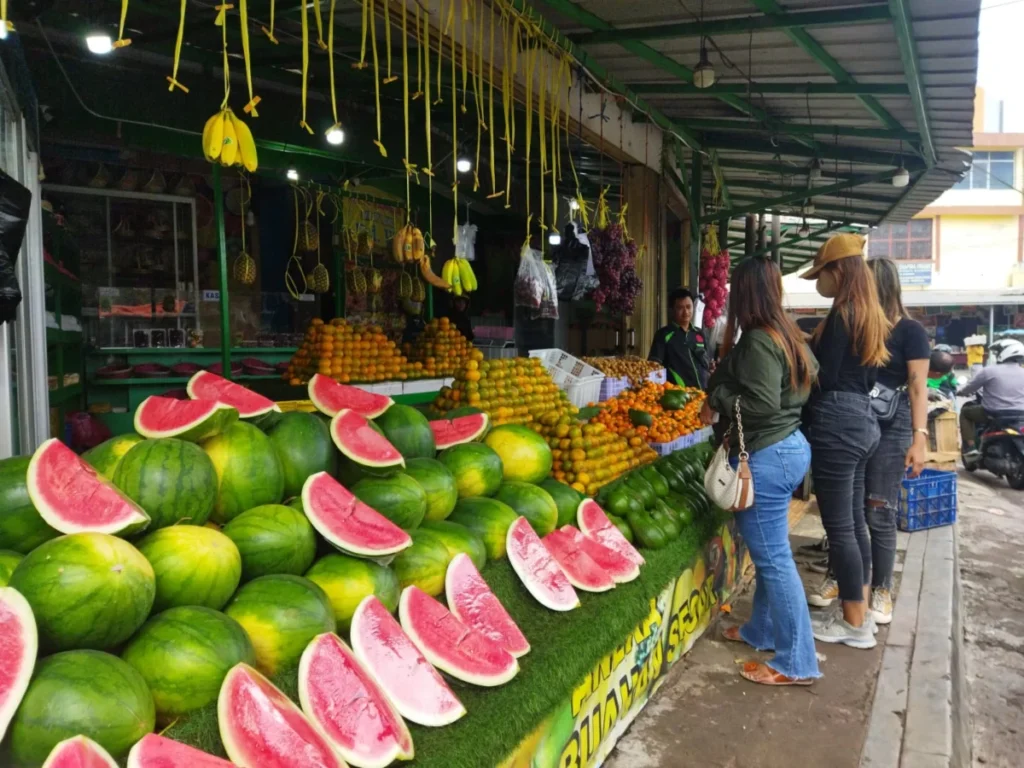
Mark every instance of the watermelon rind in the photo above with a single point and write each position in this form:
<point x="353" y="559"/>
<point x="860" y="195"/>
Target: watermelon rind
<point x="445" y="655"/>
<point x="408" y="430"/>
<point x="362" y="443"/>
<point x="16" y="619"/>
<point x="193" y="564"/>
<point x="249" y="472"/>
<point x="212" y="419"/>
<point x="327" y="394"/>
<point x="347" y="580"/>
<point x="458" y="539"/>
<point x="532" y="562"/>
<point x="304" y="446"/>
<point x="272" y="538"/>
<point x="105" y="457"/>
<point x="73" y="514"/>
<point x="593" y="522"/>
<point x="438" y="483"/>
<point x="333" y="511"/>
<point x="21" y="527"/>
<point x="367" y="750"/>
<point x="399" y="498"/>
<point x="156" y="751"/>
<point x="581" y="570"/>
<point x="209" y="386"/>
<point x="76" y="751"/>
<point x="9" y="560"/>
<point x="424" y="564"/>
<point x="481" y="608"/>
<point x="461" y="429"/>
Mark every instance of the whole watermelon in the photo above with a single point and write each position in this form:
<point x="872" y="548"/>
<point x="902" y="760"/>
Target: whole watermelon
<point x="399" y="498"/>
<point x="351" y="472"/>
<point x="566" y="498"/>
<point x="347" y="580"/>
<point x="525" y="455"/>
<point x="532" y="502"/>
<point x="194" y="565"/>
<point x="21" y="527"/>
<point x="409" y="431"/>
<point x="9" y="560"/>
<point x="281" y="614"/>
<point x="477" y="468"/>
<point x="438" y="483"/>
<point x="87" y="590"/>
<point x="304" y="446"/>
<point x="424" y="564"/>
<point x="458" y="538"/>
<point x="105" y="457"/>
<point x="184" y="654"/>
<point x="248" y="470"/>
<point x="173" y="480"/>
<point x="273" y="538"/>
<point x="81" y="692"/>
<point x="489" y="519"/>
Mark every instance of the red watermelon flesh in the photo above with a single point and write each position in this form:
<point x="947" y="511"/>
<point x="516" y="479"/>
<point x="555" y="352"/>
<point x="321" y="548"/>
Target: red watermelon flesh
<point x="155" y="751"/>
<point x="260" y="726"/>
<point x="618" y="566"/>
<point x="537" y="569"/>
<point x="72" y="498"/>
<point x="192" y="420"/>
<point x="462" y="429"/>
<point x="360" y="442"/>
<point x="79" y="752"/>
<point x="19" y="644"/>
<point x="582" y="571"/>
<point x="594" y="524"/>
<point x="209" y="386"/>
<point x="330" y="396"/>
<point x="348" y="707"/>
<point x="416" y="689"/>
<point x="348" y="523"/>
<point x="472" y="602"/>
<point x="463" y="652"/>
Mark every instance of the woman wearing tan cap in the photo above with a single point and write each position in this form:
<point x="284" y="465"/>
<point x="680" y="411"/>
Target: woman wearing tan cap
<point x="843" y="431"/>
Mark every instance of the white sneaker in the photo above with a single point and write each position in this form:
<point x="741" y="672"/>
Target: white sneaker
<point x="881" y="606"/>
<point x="835" y="629"/>
<point x="825" y="595"/>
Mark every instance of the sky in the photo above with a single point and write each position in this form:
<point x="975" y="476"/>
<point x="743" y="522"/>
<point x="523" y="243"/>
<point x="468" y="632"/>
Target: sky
<point x="1001" y="59"/>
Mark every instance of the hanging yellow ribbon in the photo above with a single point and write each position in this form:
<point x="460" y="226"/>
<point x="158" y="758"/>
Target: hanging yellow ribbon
<point x="361" y="64"/>
<point x="455" y="145"/>
<point x="387" y="39"/>
<point x="602" y="209"/>
<point x="220" y="19"/>
<point x="289" y="281"/>
<point x="410" y="169"/>
<point x="622" y="220"/>
<point x="121" y="41"/>
<point x="305" y="66"/>
<point x="477" y="91"/>
<point x="440" y="50"/>
<point x="376" y="79"/>
<point x="330" y="67"/>
<point x="319" y="26"/>
<point x="419" y="54"/>
<point x="531" y="63"/>
<point x="3" y="17"/>
<point x="506" y="88"/>
<point x="243" y="12"/>
<point x="490" y="109"/>
<point x="429" y="168"/>
<point x="556" y="77"/>
<point x="224" y="52"/>
<point x="464" y="16"/>
<point x="173" y="77"/>
<point x="542" y="83"/>
<point x="269" y="32"/>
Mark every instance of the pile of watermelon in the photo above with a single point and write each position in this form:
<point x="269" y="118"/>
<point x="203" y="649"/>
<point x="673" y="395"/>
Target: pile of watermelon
<point x="183" y="567"/>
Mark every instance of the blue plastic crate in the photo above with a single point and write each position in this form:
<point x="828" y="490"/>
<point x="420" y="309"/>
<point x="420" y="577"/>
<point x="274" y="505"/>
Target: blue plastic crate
<point x="927" y="501"/>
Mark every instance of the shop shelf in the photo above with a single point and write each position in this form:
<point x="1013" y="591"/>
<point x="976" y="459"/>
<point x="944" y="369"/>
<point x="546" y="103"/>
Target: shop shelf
<point x="57" y="336"/>
<point x="144" y="382"/>
<point x="236" y="352"/>
<point x="65" y="394"/>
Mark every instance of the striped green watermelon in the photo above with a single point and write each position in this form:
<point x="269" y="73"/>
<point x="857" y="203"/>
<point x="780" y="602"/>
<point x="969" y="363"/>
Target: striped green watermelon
<point x="9" y="560"/>
<point x="184" y="654"/>
<point x="408" y="430"/>
<point x="438" y="483"/>
<point x="194" y="565"/>
<point x="489" y="519"/>
<point x="22" y="529"/>
<point x="86" y="693"/>
<point x="532" y="502"/>
<point x="477" y="468"/>
<point x="567" y="499"/>
<point x="87" y="590"/>
<point x="173" y="480"/>
<point x="399" y="498"/>
<point x="304" y="446"/>
<point x="105" y="457"/>
<point x="458" y="538"/>
<point x="191" y="420"/>
<point x="248" y="470"/>
<point x="424" y="563"/>
<point x="272" y="539"/>
<point x="281" y="614"/>
<point x="347" y="580"/>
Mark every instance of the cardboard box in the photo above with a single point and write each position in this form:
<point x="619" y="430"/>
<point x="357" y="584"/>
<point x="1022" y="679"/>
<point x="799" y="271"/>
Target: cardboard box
<point x="944" y="434"/>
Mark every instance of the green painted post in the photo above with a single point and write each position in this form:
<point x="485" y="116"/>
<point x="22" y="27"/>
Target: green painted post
<point x="430" y="303"/>
<point x="696" y="210"/>
<point x="222" y="252"/>
<point x="339" y="270"/>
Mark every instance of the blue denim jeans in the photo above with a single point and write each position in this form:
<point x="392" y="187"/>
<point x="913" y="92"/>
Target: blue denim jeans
<point x="780" y="620"/>
<point x="882" y="481"/>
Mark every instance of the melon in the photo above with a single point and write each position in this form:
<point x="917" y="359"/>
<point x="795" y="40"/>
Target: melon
<point x="617" y="565"/>
<point x="330" y="396"/>
<point x="248" y="471"/>
<point x="438" y="483"/>
<point x="193" y="565"/>
<point x="525" y="455"/>
<point x="173" y="480"/>
<point x="87" y="590"/>
<point x="72" y="498"/>
<point x="209" y="386"/>
<point x="303" y="444"/>
<point x="423" y="565"/>
<point x="399" y="498"/>
<point x="581" y="570"/>
<point x="191" y="420"/>
<point x="594" y="524"/>
<point x="348" y="523"/>
<point x="22" y="529"/>
<point x="417" y="690"/>
<point x="348" y="580"/>
<point x="361" y="443"/>
<point x="462" y="429"/>
<point x="471" y="601"/>
<point x="105" y="457"/>
<point x="19" y="645"/>
<point x="537" y="569"/>
<point x="408" y="430"/>
<point x="458" y="539"/>
<point x="155" y="751"/>
<point x="453" y="647"/>
<point x="260" y="726"/>
<point x="272" y="538"/>
<point x="341" y="698"/>
<point x="476" y="467"/>
<point x="79" y="752"/>
<point x="9" y="560"/>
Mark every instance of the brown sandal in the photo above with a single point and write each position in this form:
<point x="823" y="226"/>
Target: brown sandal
<point x="762" y="674"/>
<point x="733" y="634"/>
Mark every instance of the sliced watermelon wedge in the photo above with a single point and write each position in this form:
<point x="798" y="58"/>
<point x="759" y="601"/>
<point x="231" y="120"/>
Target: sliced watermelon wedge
<point x="154" y="751"/>
<point x="462" y="429"/>
<point x="72" y="498"/>
<point x="260" y="726"/>
<point x="349" y="708"/>
<point x="618" y="566"/>
<point x="79" y="752"/>
<point x="330" y="396"/>
<point x="472" y="602"/>
<point x="348" y="523"/>
<point x="582" y="571"/>
<point x="359" y="441"/>
<point x="191" y="420"/>
<point x="209" y="386"/>
<point x="463" y="652"/>
<point x="594" y="523"/>
<point x="416" y="689"/>
<point x="19" y="644"/>
<point x="537" y="569"/>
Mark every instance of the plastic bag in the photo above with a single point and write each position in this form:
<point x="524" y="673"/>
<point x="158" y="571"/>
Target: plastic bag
<point x="574" y="265"/>
<point x="530" y="279"/>
<point x="549" y="296"/>
<point x="15" y="201"/>
<point x="465" y="242"/>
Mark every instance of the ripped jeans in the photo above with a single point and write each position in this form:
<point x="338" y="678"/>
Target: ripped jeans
<point x="882" y="480"/>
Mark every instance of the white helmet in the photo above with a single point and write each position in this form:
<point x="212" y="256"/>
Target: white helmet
<point x="1005" y="350"/>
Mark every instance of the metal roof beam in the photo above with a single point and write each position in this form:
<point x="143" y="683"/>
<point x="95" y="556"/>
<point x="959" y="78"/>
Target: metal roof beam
<point x="804" y="194"/>
<point x="908" y="53"/>
<point x="801" y="129"/>
<point x="737" y="25"/>
<point x="821" y="211"/>
<point x="768" y="186"/>
<point x="798" y="239"/>
<point x="778" y="169"/>
<point x="799" y="89"/>
<point x="742" y="143"/>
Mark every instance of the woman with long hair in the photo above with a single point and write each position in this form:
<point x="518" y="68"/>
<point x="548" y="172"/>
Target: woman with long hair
<point x="843" y="431"/>
<point x="768" y="372"/>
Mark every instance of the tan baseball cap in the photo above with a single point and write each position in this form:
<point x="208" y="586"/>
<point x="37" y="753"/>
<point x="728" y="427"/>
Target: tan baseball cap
<point x="835" y="248"/>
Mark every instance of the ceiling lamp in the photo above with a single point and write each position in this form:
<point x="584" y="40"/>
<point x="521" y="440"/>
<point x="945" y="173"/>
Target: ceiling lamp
<point x="808" y="208"/>
<point x="99" y="42"/>
<point x="703" y="73"/>
<point x="804" y="230"/>
<point x="573" y="204"/>
<point x="292" y="175"/>
<point x="554" y="239"/>
<point x="335" y="135"/>
<point x="463" y="165"/>
<point x="902" y="176"/>
<point x="814" y="172"/>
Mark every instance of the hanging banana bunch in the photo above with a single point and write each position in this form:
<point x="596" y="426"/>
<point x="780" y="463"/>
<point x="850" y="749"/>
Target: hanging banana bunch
<point x="226" y="139"/>
<point x="458" y="273"/>
<point x="244" y="267"/>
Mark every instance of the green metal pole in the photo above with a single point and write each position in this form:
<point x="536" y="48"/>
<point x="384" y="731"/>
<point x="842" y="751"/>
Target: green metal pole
<point x="339" y="271"/>
<point x="696" y="202"/>
<point x="430" y="302"/>
<point x="222" y="251"/>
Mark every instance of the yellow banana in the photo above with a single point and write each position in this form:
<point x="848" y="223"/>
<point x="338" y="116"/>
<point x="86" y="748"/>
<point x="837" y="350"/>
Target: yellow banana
<point x="213" y="137"/>
<point x="229" y="153"/>
<point x="246" y="143"/>
<point x="446" y="271"/>
<point x="466" y="276"/>
<point x="431" y="278"/>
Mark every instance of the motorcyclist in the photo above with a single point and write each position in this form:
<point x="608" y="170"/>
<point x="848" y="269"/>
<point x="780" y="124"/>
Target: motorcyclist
<point x="1001" y="387"/>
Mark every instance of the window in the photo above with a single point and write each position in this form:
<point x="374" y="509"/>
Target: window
<point x="910" y="241"/>
<point x="989" y="170"/>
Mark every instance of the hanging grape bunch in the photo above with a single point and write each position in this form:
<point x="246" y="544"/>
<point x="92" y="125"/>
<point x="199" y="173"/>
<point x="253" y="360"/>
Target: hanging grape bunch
<point x="614" y="257"/>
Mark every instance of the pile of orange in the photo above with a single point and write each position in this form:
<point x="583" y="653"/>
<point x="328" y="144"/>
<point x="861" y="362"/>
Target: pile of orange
<point x="349" y="352"/>
<point x="440" y="348"/>
<point x="667" y="425"/>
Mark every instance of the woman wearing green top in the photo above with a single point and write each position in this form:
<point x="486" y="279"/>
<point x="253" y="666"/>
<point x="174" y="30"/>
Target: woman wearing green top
<point x="769" y="371"/>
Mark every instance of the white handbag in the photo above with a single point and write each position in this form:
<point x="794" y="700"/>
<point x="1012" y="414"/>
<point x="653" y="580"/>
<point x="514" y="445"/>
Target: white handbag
<point x="730" y="489"/>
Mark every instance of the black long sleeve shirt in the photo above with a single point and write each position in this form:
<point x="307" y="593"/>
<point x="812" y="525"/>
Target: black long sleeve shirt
<point x="682" y="353"/>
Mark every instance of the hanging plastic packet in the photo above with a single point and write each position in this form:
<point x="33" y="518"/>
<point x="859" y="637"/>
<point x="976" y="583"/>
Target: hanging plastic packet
<point x="465" y="243"/>
<point x="530" y="279"/>
<point x="549" y="294"/>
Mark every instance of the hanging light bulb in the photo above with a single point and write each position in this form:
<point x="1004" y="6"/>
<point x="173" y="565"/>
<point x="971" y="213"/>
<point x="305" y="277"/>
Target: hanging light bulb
<point x="808" y="208"/>
<point x="464" y="165"/>
<point x="574" y="204"/>
<point x="554" y="239"/>
<point x="3" y="31"/>
<point x="814" y="172"/>
<point x="804" y="230"/>
<point x="335" y="135"/>
<point x="292" y="175"/>
<point x="703" y="73"/>
<point x="98" y="41"/>
<point x="902" y="176"/>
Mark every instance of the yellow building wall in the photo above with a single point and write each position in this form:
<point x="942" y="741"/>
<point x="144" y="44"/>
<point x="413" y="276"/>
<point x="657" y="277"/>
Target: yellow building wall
<point x="976" y="252"/>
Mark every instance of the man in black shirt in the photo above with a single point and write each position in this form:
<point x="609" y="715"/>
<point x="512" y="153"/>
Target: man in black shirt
<point x="679" y="346"/>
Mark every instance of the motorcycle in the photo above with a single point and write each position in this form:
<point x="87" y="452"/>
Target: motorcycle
<point x="1000" y="449"/>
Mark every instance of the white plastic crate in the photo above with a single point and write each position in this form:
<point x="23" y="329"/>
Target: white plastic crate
<point x="685" y="441"/>
<point x="420" y="386"/>
<point x="389" y="388"/>
<point x="581" y="382"/>
<point x="611" y="387"/>
<point x="658" y="377"/>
